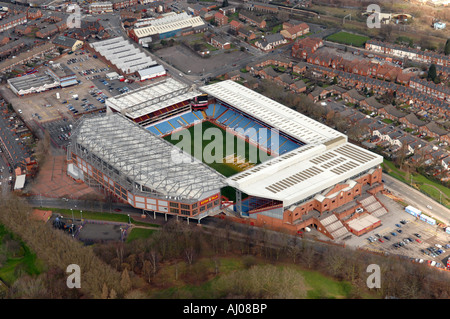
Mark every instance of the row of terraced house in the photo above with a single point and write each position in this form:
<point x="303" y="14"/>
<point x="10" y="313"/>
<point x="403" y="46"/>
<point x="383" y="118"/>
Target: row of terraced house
<point x="379" y="77"/>
<point x="409" y="53"/>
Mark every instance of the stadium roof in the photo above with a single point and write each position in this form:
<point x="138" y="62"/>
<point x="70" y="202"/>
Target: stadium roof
<point x="123" y="54"/>
<point x="304" y="172"/>
<point x="326" y="160"/>
<point x="151" y="98"/>
<point x="272" y="113"/>
<point x="138" y="156"/>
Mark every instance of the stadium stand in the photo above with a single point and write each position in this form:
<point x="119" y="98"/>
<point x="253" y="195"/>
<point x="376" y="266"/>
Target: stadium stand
<point x="257" y="132"/>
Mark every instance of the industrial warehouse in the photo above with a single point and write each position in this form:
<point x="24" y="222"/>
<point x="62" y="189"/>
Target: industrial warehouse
<point x="311" y="175"/>
<point x="170" y="25"/>
<point x="126" y="59"/>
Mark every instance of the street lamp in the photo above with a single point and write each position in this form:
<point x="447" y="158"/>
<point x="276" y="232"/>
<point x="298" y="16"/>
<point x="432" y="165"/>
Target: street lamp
<point x="129" y="220"/>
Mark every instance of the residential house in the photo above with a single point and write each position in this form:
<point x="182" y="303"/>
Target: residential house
<point x="433" y="130"/>
<point x="299" y="68"/>
<point x="246" y="34"/>
<point x="268" y="73"/>
<point x="391" y="112"/>
<point x="220" y="19"/>
<point x="220" y="43"/>
<point x="34" y="13"/>
<point x="411" y="121"/>
<point x="270" y="42"/>
<point x="298" y="86"/>
<point x="413" y="54"/>
<point x="353" y="97"/>
<point x="46" y="32"/>
<point x="371" y="104"/>
<point x="439" y="91"/>
<point x="253" y="19"/>
<point x="227" y="10"/>
<point x="319" y="93"/>
<point x="295" y="31"/>
<point x="100" y="7"/>
<point x="121" y="4"/>
<point x="304" y="47"/>
<point x="284" y="80"/>
<point x="235" y="25"/>
<point x="234" y="75"/>
<point x="445" y="162"/>
<point x="12" y="21"/>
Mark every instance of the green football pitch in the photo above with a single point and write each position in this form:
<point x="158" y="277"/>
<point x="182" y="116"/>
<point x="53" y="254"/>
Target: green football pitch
<point x="221" y="150"/>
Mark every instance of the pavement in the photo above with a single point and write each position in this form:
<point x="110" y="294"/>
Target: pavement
<point x="417" y="199"/>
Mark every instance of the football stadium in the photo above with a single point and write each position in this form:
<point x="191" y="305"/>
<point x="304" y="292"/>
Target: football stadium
<point x="224" y="149"/>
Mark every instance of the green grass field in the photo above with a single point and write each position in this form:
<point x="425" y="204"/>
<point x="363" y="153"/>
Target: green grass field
<point x="317" y="285"/>
<point x="348" y="38"/>
<point x="214" y="151"/>
<point x="18" y="261"/>
<point x="437" y="191"/>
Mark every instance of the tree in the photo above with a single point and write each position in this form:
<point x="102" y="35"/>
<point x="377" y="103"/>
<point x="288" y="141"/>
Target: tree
<point x="335" y="80"/>
<point x="432" y="73"/>
<point x="225" y="3"/>
<point x="447" y="47"/>
<point x="125" y="282"/>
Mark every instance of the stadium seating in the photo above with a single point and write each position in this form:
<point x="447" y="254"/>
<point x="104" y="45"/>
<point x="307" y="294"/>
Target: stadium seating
<point x="219" y="110"/>
<point x="154" y="130"/>
<point x="189" y="117"/>
<point x="254" y="130"/>
<point x="164" y="127"/>
<point x="210" y="110"/>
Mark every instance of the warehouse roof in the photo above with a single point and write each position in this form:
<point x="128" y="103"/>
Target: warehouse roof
<point x="123" y="54"/>
<point x="169" y="24"/>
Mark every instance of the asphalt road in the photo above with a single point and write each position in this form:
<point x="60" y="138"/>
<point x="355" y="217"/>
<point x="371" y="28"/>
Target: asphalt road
<point x="417" y="199"/>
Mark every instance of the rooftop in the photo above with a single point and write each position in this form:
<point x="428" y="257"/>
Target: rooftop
<point x="142" y="161"/>
<point x="151" y="98"/>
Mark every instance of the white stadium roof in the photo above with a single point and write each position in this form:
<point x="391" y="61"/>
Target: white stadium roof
<point x="272" y="113"/>
<point x="151" y="98"/>
<point x="326" y="160"/>
<point x="305" y="171"/>
<point x="136" y="155"/>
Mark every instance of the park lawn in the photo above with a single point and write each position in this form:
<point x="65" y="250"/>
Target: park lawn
<point x="25" y="262"/>
<point x="424" y="184"/>
<point x="139" y="233"/>
<point x="348" y="38"/>
<point x="323" y="287"/>
<point x="318" y="286"/>
<point x="111" y="217"/>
